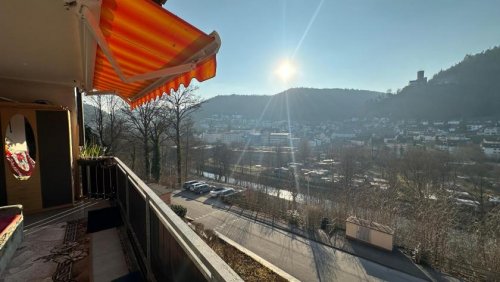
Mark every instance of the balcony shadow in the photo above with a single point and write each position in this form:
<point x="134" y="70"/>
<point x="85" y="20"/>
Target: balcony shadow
<point x="237" y="229"/>
<point x="395" y="260"/>
<point x="188" y="195"/>
<point x="215" y="202"/>
<point x="325" y="262"/>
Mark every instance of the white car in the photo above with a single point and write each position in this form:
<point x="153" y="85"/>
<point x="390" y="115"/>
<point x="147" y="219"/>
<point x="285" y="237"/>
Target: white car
<point x="223" y="192"/>
<point x="215" y="192"/>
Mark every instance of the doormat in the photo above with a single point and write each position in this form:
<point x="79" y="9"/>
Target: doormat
<point x="103" y="219"/>
<point x="135" y="276"/>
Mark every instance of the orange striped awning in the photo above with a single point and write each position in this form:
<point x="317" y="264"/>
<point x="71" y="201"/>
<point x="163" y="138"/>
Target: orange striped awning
<point x="144" y="51"/>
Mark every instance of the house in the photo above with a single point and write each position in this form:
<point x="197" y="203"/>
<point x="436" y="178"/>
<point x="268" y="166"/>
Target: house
<point x="211" y="137"/>
<point x="232" y="137"/>
<point x="276" y="138"/>
<point x="52" y="53"/>
<point x="473" y="127"/>
<point x="343" y="135"/>
<point x="491" y="148"/>
<point x="370" y="232"/>
<point x="447" y="145"/>
<point x="489" y="131"/>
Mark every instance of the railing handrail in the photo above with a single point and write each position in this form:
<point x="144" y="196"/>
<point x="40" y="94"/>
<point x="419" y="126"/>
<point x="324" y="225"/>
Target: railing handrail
<point x="205" y="259"/>
<point x="19" y="207"/>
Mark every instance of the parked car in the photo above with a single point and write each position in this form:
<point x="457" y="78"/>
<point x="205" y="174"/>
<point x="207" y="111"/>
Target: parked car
<point x="197" y="186"/>
<point x="215" y="192"/>
<point x="187" y="184"/>
<point x="202" y="189"/>
<point x="192" y="185"/>
<point x="227" y="192"/>
<point x="223" y="192"/>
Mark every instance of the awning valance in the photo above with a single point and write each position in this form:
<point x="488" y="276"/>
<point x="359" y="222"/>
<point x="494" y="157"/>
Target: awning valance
<point x="145" y="51"/>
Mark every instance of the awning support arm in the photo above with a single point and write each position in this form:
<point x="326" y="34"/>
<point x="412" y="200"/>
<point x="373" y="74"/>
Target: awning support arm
<point x="208" y="51"/>
<point x="96" y="32"/>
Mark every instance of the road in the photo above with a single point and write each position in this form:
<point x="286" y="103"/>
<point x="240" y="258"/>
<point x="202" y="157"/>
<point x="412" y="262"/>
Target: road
<point x="302" y="258"/>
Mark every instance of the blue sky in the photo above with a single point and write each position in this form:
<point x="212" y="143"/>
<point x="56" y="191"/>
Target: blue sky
<point x="362" y="44"/>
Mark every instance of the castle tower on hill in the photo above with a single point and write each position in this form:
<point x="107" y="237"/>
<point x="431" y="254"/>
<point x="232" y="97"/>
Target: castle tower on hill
<point x="420" y="79"/>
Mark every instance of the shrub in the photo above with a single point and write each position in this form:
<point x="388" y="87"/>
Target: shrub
<point x="325" y="222"/>
<point x="313" y="217"/>
<point x="179" y="210"/>
<point x="293" y="217"/>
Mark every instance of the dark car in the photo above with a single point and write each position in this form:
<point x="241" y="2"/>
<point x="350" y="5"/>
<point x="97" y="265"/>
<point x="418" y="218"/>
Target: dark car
<point x="202" y="189"/>
<point x="188" y="184"/>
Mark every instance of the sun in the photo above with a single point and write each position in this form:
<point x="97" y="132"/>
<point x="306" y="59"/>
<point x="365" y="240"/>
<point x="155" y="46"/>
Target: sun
<point x="286" y="70"/>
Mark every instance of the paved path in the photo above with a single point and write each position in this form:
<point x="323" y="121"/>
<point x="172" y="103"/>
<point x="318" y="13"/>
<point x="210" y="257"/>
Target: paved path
<point x="302" y="258"/>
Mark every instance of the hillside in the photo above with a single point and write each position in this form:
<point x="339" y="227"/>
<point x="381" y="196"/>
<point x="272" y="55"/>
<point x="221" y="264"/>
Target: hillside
<point x="305" y="104"/>
<point x="470" y="89"/>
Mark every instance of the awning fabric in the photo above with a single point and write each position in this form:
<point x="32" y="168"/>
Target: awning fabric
<point x="142" y="37"/>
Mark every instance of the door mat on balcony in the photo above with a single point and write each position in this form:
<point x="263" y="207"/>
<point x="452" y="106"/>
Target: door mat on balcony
<point x="103" y="219"/>
<point x="135" y="276"/>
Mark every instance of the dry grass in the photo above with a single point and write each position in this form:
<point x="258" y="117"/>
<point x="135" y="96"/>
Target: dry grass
<point x="247" y="268"/>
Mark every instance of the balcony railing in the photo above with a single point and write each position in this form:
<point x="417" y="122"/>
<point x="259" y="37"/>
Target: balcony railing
<point x="165" y="247"/>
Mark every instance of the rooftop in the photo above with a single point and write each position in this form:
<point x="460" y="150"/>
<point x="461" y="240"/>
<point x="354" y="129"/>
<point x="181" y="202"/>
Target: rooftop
<point x="370" y="224"/>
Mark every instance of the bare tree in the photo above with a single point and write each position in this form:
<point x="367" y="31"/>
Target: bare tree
<point x="279" y="155"/>
<point x="304" y="151"/>
<point x="181" y="105"/>
<point x="188" y="129"/>
<point x="97" y="119"/>
<point x="349" y="167"/>
<point x="222" y="161"/>
<point x="142" y="121"/>
<point x="199" y="157"/>
<point x="107" y="120"/>
<point x="291" y="185"/>
<point x="158" y="134"/>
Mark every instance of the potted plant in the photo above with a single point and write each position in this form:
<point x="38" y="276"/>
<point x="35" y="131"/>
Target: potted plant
<point x="91" y="151"/>
<point x="95" y="167"/>
<point x="93" y="154"/>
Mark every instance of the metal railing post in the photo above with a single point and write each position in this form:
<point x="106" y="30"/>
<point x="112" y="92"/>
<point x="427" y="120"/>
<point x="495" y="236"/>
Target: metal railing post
<point x="89" y="186"/>
<point x="103" y="181"/>
<point x="127" y="197"/>
<point x="148" y="240"/>
<point x="95" y="192"/>
<point x="116" y="183"/>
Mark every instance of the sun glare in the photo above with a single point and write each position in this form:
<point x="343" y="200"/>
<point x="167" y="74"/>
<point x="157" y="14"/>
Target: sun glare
<point x="286" y="70"/>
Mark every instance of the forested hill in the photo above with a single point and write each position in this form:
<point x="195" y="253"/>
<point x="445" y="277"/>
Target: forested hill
<point x="305" y="104"/>
<point x="470" y="89"/>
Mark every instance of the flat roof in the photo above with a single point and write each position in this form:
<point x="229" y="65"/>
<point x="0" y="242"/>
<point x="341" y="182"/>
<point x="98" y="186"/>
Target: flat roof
<point x="370" y="224"/>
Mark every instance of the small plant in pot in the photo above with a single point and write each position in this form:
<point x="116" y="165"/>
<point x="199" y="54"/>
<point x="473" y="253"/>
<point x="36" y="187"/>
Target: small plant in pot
<point x="94" y="154"/>
<point x="91" y="151"/>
